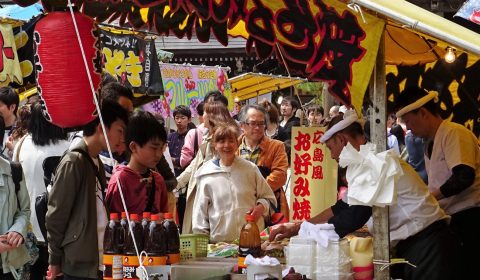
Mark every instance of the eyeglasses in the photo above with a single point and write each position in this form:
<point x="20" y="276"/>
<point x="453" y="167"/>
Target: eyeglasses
<point x="255" y="124"/>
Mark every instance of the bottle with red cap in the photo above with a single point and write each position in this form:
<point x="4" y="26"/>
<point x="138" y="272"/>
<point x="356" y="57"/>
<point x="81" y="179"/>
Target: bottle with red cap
<point x="112" y="252"/>
<point x="250" y="243"/>
<point x="146" y="216"/>
<point x="173" y="239"/>
<point x="156" y="243"/>
<point x="130" y="259"/>
<point x="124" y="230"/>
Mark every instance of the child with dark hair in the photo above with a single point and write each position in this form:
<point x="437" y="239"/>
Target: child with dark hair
<point x="182" y="116"/>
<point x="143" y="189"/>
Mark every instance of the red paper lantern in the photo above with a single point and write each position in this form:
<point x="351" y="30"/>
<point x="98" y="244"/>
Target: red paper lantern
<point x="62" y="79"/>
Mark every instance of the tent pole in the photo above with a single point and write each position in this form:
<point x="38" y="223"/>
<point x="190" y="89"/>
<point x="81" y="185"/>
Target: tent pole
<point x="381" y="234"/>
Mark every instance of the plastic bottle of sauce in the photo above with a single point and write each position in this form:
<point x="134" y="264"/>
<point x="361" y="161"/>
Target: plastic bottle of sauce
<point x="250" y="243"/>
<point x="156" y="243"/>
<point x="112" y="252"/>
<point x="130" y="259"/>
<point x="124" y="225"/>
<point x="173" y="239"/>
<point x="145" y="223"/>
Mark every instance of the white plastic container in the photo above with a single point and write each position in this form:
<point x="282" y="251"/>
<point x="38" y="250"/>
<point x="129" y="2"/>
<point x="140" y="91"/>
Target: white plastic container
<point x="333" y="261"/>
<point x="301" y="255"/>
<point x="335" y="252"/>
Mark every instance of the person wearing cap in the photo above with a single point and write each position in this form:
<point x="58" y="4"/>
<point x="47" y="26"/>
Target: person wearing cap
<point x="419" y="229"/>
<point x="452" y="160"/>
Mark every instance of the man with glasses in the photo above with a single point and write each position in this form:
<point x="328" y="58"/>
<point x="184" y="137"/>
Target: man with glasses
<point x="268" y="154"/>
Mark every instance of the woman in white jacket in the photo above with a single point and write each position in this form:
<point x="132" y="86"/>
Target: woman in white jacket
<point x="228" y="188"/>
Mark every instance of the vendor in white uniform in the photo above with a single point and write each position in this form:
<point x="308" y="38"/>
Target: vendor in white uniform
<point x="419" y="229"/>
<point x="452" y="160"/>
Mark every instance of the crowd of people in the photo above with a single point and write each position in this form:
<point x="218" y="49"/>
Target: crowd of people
<point x="211" y="174"/>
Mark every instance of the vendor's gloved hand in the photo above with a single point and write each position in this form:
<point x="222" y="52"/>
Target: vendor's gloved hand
<point x="281" y="231"/>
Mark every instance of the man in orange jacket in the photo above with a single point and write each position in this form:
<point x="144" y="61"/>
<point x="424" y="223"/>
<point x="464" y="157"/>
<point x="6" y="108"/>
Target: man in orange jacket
<point x="268" y="154"/>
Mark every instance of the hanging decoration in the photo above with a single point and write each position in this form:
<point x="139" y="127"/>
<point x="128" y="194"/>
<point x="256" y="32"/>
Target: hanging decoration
<point x="25" y="47"/>
<point x="319" y="40"/>
<point x="63" y="83"/>
<point x="9" y="66"/>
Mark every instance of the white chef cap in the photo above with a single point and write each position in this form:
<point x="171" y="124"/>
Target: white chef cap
<point x="349" y="117"/>
<point x="417" y="104"/>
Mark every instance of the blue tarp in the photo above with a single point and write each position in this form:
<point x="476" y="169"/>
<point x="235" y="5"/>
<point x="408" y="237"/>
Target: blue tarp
<point x="21" y="13"/>
<point x="470" y="10"/>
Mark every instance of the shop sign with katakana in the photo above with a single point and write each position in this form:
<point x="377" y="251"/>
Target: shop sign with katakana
<point x="132" y="60"/>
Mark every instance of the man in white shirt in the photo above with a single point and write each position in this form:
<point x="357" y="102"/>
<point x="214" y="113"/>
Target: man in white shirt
<point x="452" y="160"/>
<point x="419" y="229"/>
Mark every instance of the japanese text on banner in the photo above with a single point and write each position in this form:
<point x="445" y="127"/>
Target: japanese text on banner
<point x="314" y="174"/>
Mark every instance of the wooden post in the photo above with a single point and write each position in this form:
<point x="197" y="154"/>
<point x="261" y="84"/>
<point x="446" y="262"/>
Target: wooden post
<point x="378" y="135"/>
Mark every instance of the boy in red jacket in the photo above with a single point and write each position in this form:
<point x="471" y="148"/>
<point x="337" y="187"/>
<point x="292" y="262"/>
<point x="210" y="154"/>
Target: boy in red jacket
<point x="144" y="190"/>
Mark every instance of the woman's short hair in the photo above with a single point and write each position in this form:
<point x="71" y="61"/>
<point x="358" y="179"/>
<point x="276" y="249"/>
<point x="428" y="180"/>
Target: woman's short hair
<point x="218" y="114"/>
<point x="226" y="131"/>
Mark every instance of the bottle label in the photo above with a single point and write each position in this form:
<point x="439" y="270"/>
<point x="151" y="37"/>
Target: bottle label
<point x="113" y="267"/>
<point x="130" y="264"/>
<point x="242" y="268"/>
<point x="151" y="261"/>
<point x="243" y="252"/>
<point x="173" y="258"/>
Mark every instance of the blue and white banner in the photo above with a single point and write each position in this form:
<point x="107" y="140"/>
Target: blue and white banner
<point x="470" y="10"/>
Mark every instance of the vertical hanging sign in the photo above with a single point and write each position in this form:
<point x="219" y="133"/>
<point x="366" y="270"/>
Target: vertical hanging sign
<point x="9" y="66"/>
<point x="314" y="174"/>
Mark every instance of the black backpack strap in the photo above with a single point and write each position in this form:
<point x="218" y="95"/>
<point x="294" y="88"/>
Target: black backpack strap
<point x="95" y="168"/>
<point x="195" y="143"/>
<point x="49" y="166"/>
<point x="17" y="174"/>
